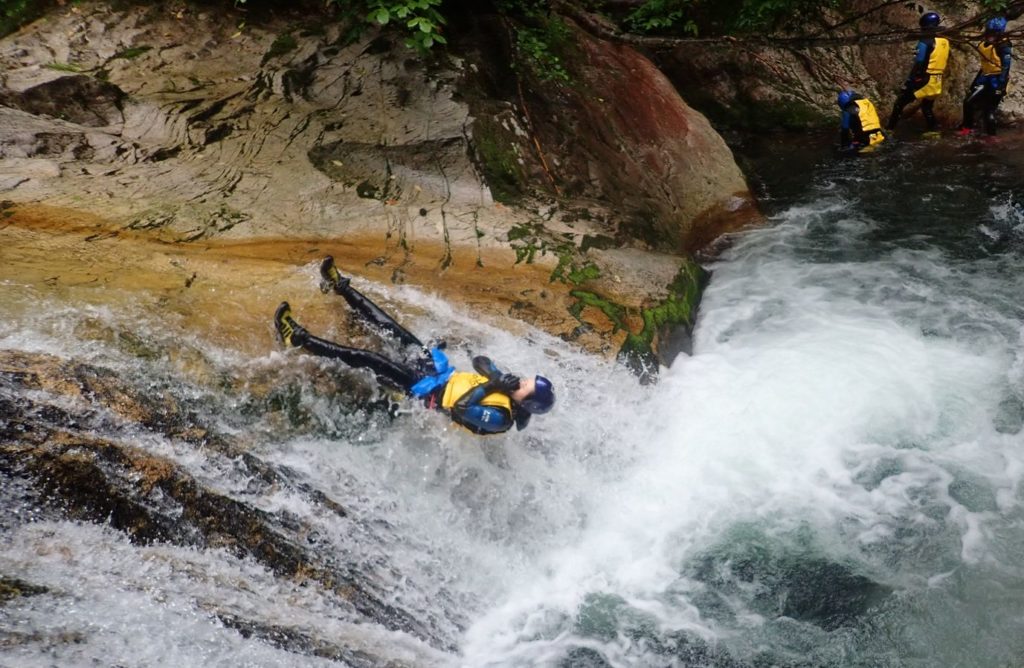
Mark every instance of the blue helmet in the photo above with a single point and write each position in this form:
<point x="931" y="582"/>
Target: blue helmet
<point x="998" y="24"/>
<point x="930" y="20"/>
<point x="542" y="398"/>
<point x="844" y="98"/>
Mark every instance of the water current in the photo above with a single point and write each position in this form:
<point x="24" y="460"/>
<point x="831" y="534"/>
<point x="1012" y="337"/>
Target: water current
<point x="833" y="478"/>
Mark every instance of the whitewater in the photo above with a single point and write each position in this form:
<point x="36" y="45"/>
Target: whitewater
<point x="832" y="478"/>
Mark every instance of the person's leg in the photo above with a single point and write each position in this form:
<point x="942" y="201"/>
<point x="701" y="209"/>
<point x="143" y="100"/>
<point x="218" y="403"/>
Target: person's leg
<point x="905" y="98"/>
<point x="989" y="119"/>
<point x="971" y="105"/>
<point x="362" y="305"/>
<point x="928" y="110"/>
<point x="967" y="119"/>
<point x="387" y="371"/>
<point x="991" y="103"/>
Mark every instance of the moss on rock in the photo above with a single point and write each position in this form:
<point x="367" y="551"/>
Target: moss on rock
<point x="498" y="157"/>
<point x="281" y="45"/>
<point x="643" y="350"/>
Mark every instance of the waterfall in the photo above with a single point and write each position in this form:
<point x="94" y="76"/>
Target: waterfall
<point x="832" y="478"/>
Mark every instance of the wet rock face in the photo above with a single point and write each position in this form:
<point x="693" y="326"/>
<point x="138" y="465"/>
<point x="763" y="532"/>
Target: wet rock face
<point x="67" y="431"/>
<point x="652" y="151"/>
<point x="78" y="99"/>
<point x="13" y="588"/>
<point x="616" y="131"/>
<point x="238" y="138"/>
<point x="388" y="173"/>
<point x="233" y="134"/>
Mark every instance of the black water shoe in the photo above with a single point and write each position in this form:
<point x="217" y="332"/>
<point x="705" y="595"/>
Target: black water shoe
<point x="332" y="278"/>
<point x="289" y="332"/>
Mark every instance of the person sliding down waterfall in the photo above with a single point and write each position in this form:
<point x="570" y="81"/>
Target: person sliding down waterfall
<point x="485" y="402"/>
<point x="925" y="80"/>
<point x="859" y="129"/>
<point x="989" y="86"/>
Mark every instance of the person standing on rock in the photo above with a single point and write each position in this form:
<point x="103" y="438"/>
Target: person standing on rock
<point x="859" y="128"/>
<point x="989" y="86"/>
<point x="925" y="80"/>
<point x="485" y="402"/>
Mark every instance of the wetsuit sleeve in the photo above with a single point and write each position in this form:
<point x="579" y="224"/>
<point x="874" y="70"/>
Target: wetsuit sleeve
<point x="917" y="72"/>
<point x="845" y="136"/>
<point x="1005" y="52"/>
<point x="489" y="419"/>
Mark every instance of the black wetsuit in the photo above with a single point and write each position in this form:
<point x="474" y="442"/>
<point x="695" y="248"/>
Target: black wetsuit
<point x="987" y="89"/>
<point x="467" y="411"/>
<point x="400" y="376"/>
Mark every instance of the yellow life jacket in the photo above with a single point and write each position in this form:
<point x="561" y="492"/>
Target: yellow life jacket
<point x="939" y="56"/>
<point x="869" y="124"/>
<point x="990" y="63"/>
<point x="463" y="381"/>
<point x="868" y="116"/>
<point x="930" y="90"/>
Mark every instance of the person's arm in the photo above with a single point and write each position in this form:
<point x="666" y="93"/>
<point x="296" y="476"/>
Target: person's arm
<point x="1005" y="53"/>
<point x="488" y="419"/>
<point x="845" y="136"/>
<point x="917" y="72"/>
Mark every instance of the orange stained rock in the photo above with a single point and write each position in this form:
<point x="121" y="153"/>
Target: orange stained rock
<point x="227" y="290"/>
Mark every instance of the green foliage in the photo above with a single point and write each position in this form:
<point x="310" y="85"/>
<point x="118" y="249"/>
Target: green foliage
<point x="542" y="38"/>
<point x="757" y="15"/>
<point x="659" y="15"/>
<point x="539" y="49"/>
<point x="132" y="52"/>
<point x="16" y="13"/>
<point x="723" y="16"/>
<point x="524" y="8"/>
<point x="281" y="45"/>
<point x="63" y="67"/>
<point x="420" y="19"/>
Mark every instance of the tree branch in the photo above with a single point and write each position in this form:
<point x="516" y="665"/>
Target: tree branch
<point x="863" y="14"/>
<point x="601" y="27"/>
